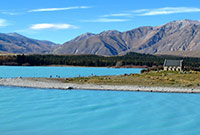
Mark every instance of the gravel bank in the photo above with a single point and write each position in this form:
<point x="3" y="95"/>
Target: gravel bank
<point x="58" y="84"/>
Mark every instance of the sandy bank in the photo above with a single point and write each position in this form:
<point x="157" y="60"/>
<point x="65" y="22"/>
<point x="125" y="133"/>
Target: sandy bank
<point x="59" y="84"/>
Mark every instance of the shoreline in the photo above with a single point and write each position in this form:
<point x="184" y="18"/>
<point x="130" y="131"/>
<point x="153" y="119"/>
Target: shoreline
<point x="45" y="83"/>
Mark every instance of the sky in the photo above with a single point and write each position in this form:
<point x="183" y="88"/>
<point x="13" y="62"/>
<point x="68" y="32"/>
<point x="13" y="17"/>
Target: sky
<point x="62" y="20"/>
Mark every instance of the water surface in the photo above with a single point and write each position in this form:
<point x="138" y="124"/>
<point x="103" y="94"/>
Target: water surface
<point x="31" y="71"/>
<point x="30" y="111"/>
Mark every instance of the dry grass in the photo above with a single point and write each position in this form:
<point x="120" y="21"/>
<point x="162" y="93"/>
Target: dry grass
<point x="152" y="78"/>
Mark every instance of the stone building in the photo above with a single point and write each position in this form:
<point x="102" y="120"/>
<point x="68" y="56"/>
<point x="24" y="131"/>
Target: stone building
<point x="173" y="65"/>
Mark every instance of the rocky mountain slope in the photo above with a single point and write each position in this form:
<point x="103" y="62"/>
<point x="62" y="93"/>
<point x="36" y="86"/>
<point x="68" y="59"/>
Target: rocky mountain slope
<point x="16" y="43"/>
<point x="174" y="38"/>
<point x="181" y="36"/>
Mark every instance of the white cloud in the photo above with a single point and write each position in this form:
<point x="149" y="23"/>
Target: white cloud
<point x="9" y="13"/>
<point x="166" y="10"/>
<point x="107" y="20"/>
<point x="140" y="10"/>
<point x="117" y="15"/>
<point x="58" y="9"/>
<point x="43" y="26"/>
<point x="3" y="23"/>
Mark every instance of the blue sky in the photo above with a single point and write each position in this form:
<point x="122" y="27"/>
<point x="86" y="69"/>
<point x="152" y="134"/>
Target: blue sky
<point x="62" y="20"/>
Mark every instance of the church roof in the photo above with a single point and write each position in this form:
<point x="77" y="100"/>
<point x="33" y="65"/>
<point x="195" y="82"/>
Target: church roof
<point x="173" y="63"/>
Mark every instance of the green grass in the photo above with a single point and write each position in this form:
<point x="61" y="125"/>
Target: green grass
<point x="152" y="78"/>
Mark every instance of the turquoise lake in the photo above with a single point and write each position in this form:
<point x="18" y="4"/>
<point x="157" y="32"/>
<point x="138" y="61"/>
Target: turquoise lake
<point x="28" y="71"/>
<point x="29" y="111"/>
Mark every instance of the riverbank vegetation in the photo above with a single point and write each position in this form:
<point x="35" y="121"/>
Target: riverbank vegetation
<point x="128" y="60"/>
<point x="151" y="78"/>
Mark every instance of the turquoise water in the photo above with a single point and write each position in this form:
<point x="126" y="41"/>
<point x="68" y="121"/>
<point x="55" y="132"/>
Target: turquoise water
<point x="29" y="111"/>
<point x="29" y="71"/>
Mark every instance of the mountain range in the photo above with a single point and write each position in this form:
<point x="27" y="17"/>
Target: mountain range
<point x="16" y="43"/>
<point x="180" y="37"/>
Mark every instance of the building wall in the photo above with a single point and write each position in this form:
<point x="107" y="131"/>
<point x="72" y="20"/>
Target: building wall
<point x="170" y="68"/>
<point x="165" y="68"/>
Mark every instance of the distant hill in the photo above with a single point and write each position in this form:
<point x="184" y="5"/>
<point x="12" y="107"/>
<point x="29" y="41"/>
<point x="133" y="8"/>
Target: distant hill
<point x="180" y="38"/>
<point x="195" y="53"/>
<point x="174" y="38"/>
<point x="16" y="43"/>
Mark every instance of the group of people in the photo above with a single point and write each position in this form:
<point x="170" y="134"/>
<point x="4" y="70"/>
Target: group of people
<point x="57" y="76"/>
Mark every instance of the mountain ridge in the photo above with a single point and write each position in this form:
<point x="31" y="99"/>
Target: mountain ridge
<point x="16" y="43"/>
<point x="180" y="35"/>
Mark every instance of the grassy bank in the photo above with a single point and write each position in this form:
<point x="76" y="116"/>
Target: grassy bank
<point x="152" y="78"/>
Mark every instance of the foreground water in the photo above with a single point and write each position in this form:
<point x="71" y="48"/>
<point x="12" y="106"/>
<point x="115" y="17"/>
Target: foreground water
<point x="29" y="111"/>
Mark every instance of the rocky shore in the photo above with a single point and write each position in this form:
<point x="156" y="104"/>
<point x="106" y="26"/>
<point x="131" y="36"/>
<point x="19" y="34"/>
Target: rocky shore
<point x="46" y="83"/>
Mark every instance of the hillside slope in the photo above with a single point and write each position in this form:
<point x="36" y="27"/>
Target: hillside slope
<point x="16" y="43"/>
<point x="177" y="36"/>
